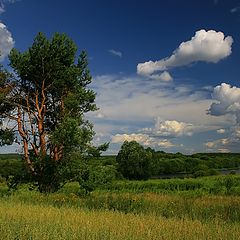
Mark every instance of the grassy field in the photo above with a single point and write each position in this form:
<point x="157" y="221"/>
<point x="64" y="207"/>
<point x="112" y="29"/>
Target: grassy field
<point x="125" y="210"/>
<point x="26" y="221"/>
<point x="216" y="185"/>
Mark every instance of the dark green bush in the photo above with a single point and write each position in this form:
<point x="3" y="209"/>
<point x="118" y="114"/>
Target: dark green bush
<point x="134" y="161"/>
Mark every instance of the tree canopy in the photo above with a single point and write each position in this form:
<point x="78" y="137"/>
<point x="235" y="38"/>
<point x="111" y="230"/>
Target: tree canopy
<point x="134" y="161"/>
<point x="45" y="100"/>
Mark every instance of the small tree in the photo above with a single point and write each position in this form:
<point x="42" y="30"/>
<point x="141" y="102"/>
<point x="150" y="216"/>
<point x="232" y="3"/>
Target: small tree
<point x="134" y="161"/>
<point x="46" y="98"/>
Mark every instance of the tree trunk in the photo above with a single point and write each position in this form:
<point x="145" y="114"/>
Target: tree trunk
<point x="25" y="142"/>
<point x="42" y="138"/>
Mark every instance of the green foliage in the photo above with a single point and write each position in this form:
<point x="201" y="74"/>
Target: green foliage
<point x="52" y="63"/>
<point x="96" y="151"/>
<point x="134" y="161"/>
<point x="6" y="133"/>
<point x="201" y="164"/>
<point x="93" y="177"/>
<point x="6" y="137"/>
<point x="199" y="199"/>
<point x="13" y="170"/>
<point x="102" y="175"/>
<point x="49" y="92"/>
<point x="11" y="167"/>
<point x="216" y="185"/>
<point x="89" y="173"/>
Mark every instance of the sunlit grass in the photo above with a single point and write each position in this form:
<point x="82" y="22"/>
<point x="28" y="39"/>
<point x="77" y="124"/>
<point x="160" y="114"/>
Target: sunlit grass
<point x="124" y="213"/>
<point x="202" y="208"/>
<point x="27" y="221"/>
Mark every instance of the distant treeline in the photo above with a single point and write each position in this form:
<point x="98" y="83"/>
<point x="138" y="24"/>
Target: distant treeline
<point x="200" y="164"/>
<point x="11" y="165"/>
<point x="161" y="164"/>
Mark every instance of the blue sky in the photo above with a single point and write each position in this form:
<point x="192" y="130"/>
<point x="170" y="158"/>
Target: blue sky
<point x="166" y="73"/>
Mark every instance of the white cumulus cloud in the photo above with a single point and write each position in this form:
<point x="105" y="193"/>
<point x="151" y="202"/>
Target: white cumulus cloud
<point x="227" y="101"/>
<point x="140" y="138"/>
<point x="221" y="131"/>
<point x="210" y="144"/>
<point x="143" y="139"/>
<point x="207" y="46"/>
<point x="6" y="41"/>
<point x="131" y="104"/>
<point x="175" y="128"/>
<point x="164" y="76"/>
<point x="237" y="132"/>
<point x="170" y="128"/>
<point x="217" y="144"/>
<point x="223" y="150"/>
<point x="165" y="143"/>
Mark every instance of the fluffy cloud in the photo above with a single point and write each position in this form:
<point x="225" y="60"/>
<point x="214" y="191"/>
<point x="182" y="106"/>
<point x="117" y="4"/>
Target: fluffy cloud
<point x="209" y="144"/>
<point x="207" y="46"/>
<point x="223" y="150"/>
<point x="134" y="100"/>
<point x="221" y="131"/>
<point x="227" y="101"/>
<point x="143" y="139"/>
<point x="6" y="41"/>
<point x="230" y="143"/>
<point x="131" y="104"/>
<point x="236" y="132"/>
<point x="165" y="143"/>
<point x="165" y="76"/>
<point x="217" y="144"/>
<point x="170" y="128"/>
<point x="173" y="128"/>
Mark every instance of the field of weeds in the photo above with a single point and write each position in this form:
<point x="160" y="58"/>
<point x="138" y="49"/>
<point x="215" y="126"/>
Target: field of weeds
<point x="119" y="212"/>
<point x="27" y="221"/>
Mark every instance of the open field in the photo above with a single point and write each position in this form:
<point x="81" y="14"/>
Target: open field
<point x="26" y="221"/>
<point x="124" y="210"/>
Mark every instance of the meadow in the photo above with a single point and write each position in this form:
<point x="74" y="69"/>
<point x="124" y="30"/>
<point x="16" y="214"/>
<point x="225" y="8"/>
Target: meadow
<point x="21" y="221"/>
<point x="201" y="208"/>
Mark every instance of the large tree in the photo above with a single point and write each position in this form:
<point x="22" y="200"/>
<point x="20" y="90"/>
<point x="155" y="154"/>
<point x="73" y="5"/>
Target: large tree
<point x="134" y="161"/>
<point x="46" y="97"/>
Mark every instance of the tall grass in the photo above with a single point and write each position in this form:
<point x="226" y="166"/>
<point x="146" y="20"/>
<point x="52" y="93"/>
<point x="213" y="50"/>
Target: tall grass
<point x="202" y="208"/>
<point x="27" y="221"/>
<point x="216" y="185"/>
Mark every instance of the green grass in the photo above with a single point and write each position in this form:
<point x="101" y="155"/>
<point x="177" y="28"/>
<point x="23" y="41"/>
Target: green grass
<point x="205" y="208"/>
<point x="216" y="185"/>
<point x="27" y="221"/>
<point x="154" y="209"/>
<point x="195" y="201"/>
<point x="9" y="156"/>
